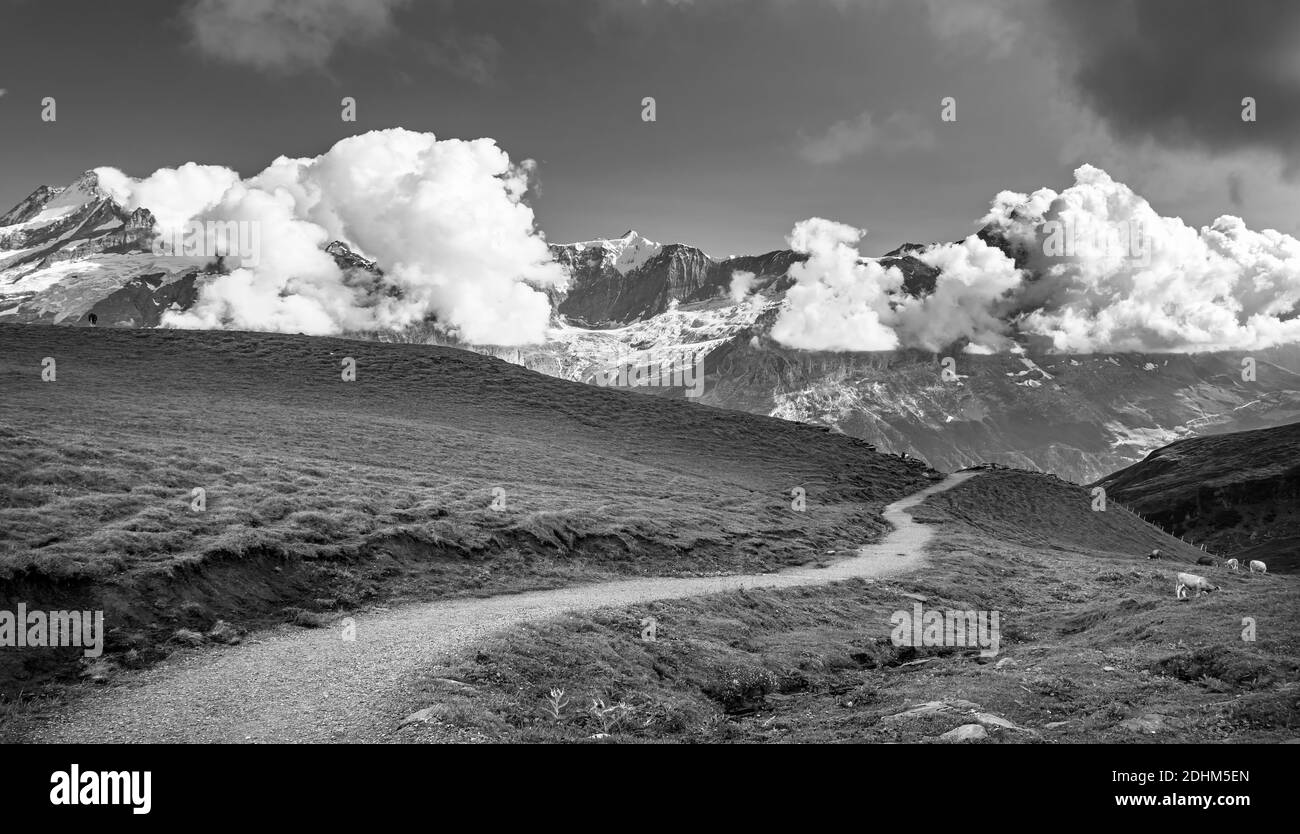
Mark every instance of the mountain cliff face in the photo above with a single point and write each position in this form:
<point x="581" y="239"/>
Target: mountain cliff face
<point x="628" y="278"/>
<point x="57" y="224"/>
<point x="66" y="253"/>
<point x="622" y="280"/>
<point x="1079" y="417"/>
<point x="69" y="253"/>
<point x="1238" y="493"/>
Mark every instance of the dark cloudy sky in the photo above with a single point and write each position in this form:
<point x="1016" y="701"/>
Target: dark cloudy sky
<point x="769" y="111"/>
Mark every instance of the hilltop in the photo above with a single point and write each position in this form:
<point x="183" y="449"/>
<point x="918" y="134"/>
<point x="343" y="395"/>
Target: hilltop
<point x="1238" y="492"/>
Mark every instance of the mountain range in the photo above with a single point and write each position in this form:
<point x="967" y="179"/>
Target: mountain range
<point x="67" y="253"/>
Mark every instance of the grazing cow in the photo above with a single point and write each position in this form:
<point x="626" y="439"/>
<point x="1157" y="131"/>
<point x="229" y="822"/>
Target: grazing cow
<point x="1232" y="564"/>
<point x="1155" y="554"/>
<point x="1256" y="566"/>
<point x="1190" y="581"/>
<point x="1205" y="560"/>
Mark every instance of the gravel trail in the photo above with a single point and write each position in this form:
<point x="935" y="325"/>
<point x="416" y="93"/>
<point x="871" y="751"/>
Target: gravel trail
<point x="296" y="685"/>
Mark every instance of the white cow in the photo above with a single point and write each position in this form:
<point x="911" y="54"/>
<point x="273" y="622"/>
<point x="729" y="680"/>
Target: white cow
<point x="1256" y="566"/>
<point x="1190" y="581"/>
<point x="1232" y="564"/>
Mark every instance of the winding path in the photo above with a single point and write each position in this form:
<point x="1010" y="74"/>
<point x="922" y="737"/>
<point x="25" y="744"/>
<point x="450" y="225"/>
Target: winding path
<point x="294" y="685"/>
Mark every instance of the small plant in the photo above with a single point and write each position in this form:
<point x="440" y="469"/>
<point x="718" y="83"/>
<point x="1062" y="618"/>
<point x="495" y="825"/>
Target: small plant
<point x="610" y="718"/>
<point x="555" y="704"/>
<point x="302" y="617"/>
<point x="1213" y="684"/>
<point x="1052" y="686"/>
<point x="710" y="724"/>
<point x="10" y="706"/>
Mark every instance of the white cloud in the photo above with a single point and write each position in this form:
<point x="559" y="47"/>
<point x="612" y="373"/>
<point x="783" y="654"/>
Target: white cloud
<point x="971" y="299"/>
<point x="1130" y="280"/>
<point x="843" y="302"/>
<point x="444" y="220"/>
<point x="838" y="302"/>
<point x="173" y="195"/>
<point x="741" y="283"/>
<point x="1220" y="287"/>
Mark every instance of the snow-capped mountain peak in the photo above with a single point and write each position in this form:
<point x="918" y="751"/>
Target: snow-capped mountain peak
<point x="626" y="253"/>
<point x="48" y="204"/>
<point x="66" y="252"/>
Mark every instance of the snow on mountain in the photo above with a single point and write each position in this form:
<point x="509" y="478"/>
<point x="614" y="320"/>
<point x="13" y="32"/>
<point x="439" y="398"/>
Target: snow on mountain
<point x="72" y="289"/>
<point x="683" y="333"/>
<point x="624" y="254"/>
<point x="1082" y="417"/>
<point x="67" y="252"/>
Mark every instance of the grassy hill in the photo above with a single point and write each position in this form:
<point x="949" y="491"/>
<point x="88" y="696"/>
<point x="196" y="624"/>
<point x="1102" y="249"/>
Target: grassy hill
<point x="1239" y="493"/>
<point x="322" y="495"/>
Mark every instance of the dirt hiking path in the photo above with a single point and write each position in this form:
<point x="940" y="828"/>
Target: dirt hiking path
<point x="295" y="685"/>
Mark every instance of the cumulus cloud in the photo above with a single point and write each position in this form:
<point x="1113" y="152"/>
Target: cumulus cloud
<point x="173" y="195"/>
<point x="843" y="302"/>
<point x="1172" y="288"/>
<point x="1096" y="270"/>
<point x="445" y="220"/>
<point x="972" y="299"/>
<point x="741" y="283"/>
<point x="839" y="302"/>
<point x="853" y="137"/>
<point x="285" y="35"/>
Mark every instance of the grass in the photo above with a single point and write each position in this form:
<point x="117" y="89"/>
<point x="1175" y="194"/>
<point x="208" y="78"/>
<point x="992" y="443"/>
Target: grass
<point x="322" y="495"/>
<point x="1095" y="648"/>
<point x="1239" y="493"/>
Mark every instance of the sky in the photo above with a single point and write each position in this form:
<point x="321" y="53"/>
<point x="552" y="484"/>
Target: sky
<point x="767" y="112"/>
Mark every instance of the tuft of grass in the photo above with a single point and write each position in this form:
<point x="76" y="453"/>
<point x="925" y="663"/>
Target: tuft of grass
<point x="304" y="618"/>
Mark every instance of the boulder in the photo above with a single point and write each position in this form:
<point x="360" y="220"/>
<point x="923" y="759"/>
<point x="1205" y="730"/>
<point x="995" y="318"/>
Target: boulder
<point x="964" y="733"/>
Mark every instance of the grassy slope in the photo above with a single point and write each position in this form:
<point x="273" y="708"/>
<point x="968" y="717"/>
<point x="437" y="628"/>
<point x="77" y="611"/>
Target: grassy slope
<point x="1093" y="645"/>
<point x="322" y="495"/>
<point x="1238" y="492"/>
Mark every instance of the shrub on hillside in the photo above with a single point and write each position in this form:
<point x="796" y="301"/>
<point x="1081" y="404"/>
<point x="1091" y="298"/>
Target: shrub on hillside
<point x="741" y="688"/>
